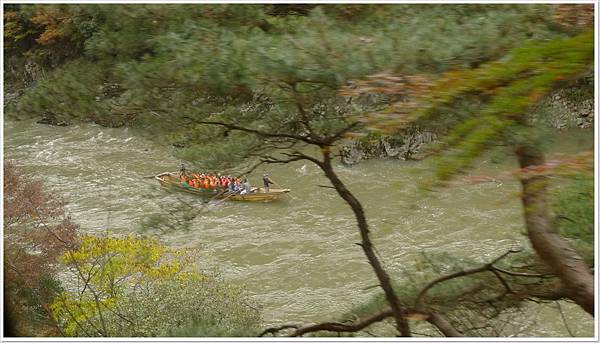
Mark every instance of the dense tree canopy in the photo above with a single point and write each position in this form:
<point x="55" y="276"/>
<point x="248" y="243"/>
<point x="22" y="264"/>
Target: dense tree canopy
<point x="150" y="66"/>
<point x="243" y="85"/>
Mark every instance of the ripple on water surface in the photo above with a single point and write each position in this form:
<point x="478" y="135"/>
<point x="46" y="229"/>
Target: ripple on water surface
<point x="299" y="256"/>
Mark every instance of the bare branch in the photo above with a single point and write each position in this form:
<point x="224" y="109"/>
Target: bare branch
<point x="273" y="160"/>
<point x="258" y="132"/>
<point x="275" y="330"/>
<point x="443" y="325"/>
<point x="305" y="157"/>
<point x="509" y="272"/>
<point x="484" y="268"/>
<point x="340" y="327"/>
<point x="252" y="168"/>
<point x="305" y="120"/>
<point x="398" y="310"/>
<point x="552" y="295"/>
<point x="502" y="281"/>
<point x="562" y="315"/>
<point x="359" y="324"/>
<point x="329" y="140"/>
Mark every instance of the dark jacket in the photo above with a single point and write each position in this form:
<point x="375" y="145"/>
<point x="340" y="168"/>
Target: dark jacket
<point x="267" y="181"/>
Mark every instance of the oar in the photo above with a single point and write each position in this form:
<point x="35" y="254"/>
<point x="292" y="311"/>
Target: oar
<point x="276" y="184"/>
<point x="151" y="176"/>
<point x="216" y="196"/>
<point x="225" y="198"/>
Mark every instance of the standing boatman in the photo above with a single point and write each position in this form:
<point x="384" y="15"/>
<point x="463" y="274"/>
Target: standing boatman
<point x="267" y="182"/>
<point x="182" y="171"/>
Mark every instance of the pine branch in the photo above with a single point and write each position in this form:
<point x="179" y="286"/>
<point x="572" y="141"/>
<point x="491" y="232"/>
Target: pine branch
<point x="488" y="267"/>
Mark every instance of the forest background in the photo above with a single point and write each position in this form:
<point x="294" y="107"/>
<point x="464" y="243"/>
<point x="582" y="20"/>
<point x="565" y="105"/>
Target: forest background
<point x="233" y="87"/>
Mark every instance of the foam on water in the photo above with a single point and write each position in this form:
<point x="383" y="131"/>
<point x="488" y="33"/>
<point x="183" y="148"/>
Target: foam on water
<point x="298" y="257"/>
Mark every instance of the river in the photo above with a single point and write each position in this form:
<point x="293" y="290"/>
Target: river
<point x="297" y="257"/>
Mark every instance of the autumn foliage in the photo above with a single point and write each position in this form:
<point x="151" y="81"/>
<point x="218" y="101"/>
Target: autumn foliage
<point x="59" y="283"/>
<point x="36" y="232"/>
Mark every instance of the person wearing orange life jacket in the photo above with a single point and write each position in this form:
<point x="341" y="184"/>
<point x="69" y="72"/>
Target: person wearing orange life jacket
<point x="185" y="182"/>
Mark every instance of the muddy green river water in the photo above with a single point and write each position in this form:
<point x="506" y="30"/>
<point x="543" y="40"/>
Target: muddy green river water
<point x="297" y="257"/>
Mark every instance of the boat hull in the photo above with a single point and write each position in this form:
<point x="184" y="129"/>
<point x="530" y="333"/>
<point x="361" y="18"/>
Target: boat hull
<point x="171" y="181"/>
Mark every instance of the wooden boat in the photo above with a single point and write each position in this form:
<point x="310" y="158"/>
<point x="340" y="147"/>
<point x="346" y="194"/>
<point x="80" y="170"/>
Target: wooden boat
<point x="171" y="181"/>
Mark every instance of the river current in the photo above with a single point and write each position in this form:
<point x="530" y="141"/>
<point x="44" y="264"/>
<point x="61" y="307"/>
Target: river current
<point x="297" y="257"/>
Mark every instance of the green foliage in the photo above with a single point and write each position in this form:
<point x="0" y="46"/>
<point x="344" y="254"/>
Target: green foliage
<point x="212" y="326"/>
<point x="137" y="287"/>
<point x="573" y="204"/>
<point x="27" y="306"/>
<point x="504" y="90"/>
<point x="164" y="68"/>
<point x="155" y="66"/>
<point x="477" y="304"/>
<point x="67" y="95"/>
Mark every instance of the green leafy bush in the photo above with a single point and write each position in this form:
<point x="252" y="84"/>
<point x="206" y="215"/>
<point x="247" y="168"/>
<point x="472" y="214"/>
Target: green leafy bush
<point x="134" y="287"/>
<point x="573" y="205"/>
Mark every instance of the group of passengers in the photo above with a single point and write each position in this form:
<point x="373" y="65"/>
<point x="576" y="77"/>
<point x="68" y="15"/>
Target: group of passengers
<point x="230" y="183"/>
<point x="211" y="181"/>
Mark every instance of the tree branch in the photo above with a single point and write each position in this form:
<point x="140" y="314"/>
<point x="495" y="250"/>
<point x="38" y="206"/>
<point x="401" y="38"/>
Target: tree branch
<point x="273" y="160"/>
<point x="552" y="248"/>
<point x="329" y="140"/>
<point x="275" y="330"/>
<point x="306" y="157"/>
<point x="258" y="132"/>
<point x="435" y="319"/>
<point x="398" y="310"/>
<point x="509" y="272"/>
<point x="305" y="121"/>
<point x="562" y="315"/>
<point x="443" y="325"/>
<point x="484" y="268"/>
<point x="502" y="281"/>
<point x="340" y="327"/>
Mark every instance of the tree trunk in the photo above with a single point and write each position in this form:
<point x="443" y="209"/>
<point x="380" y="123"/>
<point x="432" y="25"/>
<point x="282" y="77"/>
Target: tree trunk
<point x="556" y="253"/>
<point x="367" y="246"/>
<point x="443" y="325"/>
